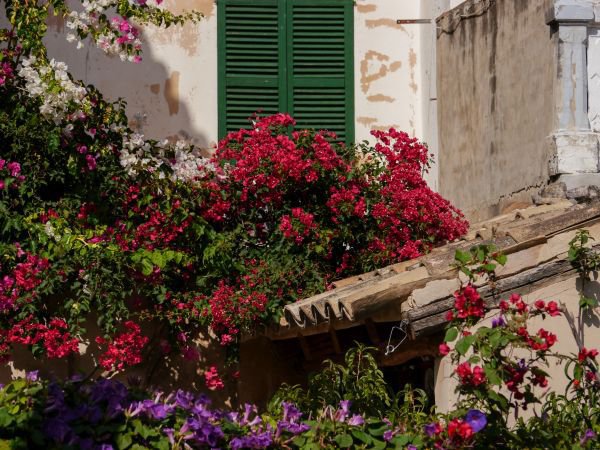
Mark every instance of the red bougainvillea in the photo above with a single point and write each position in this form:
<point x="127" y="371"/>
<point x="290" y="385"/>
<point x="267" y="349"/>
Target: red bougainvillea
<point x="124" y="349"/>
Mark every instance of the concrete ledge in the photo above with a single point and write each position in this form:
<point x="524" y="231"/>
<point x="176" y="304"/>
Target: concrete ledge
<point x="573" y="153"/>
<point x="579" y="180"/>
<point x="570" y="11"/>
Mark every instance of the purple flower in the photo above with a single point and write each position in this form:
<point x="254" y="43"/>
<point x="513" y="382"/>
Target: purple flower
<point x="33" y="375"/>
<point x="388" y="435"/>
<point x="587" y="436"/>
<point x="432" y="429"/>
<point x="343" y="412"/>
<point x="290" y="412"/>
<point x="170" y="432"/>
<point x="253" y="440"/>
<point x="356" y="420"/>
<point x="77" y="378"/>
<point x="476" y="419"/>
<point x="57" y="430"/>
<point x="498" y="322"/>
<point x="184" y="399"/>
<point x="411" y="447"/>
<point x="159" y="411"/>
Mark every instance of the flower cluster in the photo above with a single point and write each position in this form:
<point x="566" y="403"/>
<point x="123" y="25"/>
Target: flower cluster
<point x="104" y="413"/>
<point x="114" y="37"/>
<point x="458" y="432"/>
<point x="54" y="337"/>
<point x="470" y="376"/>
<point x="10" y="174"/>
<point x="212" y="379"/>
<point x="181" y="162"/>
<point x="467" y="303"/>
<point x="6" y="72"/>
<point x="18" y="285"/>
<point x="231" y="310"/>
<point x="298" y="226"/>
<point x="53" y="86"/>
<point x="124" y="349"/>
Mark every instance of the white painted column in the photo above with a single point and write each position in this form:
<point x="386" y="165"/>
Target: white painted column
<point x="575" y="144"/>
<point x="593" y="60"/>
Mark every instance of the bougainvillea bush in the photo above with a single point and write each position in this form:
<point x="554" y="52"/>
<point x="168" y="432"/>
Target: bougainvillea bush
<point x="98" y="222"/>
<point x="498" y="370"/>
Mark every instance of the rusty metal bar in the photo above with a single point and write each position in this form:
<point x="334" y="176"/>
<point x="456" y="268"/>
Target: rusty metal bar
<point x="412" y="21"/>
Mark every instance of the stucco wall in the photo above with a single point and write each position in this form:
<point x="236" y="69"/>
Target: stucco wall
<point x="173" y="92"/>
<point x="566" y="295"/>
<point x="496" y="65"/>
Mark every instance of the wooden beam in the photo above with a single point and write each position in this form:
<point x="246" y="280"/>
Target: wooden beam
<point x="305" y="347"/>
<point x="372" y="332"/>
<point x="427" y="346"/>
<point x="335" y="341"/>
<point x="432" y="317"/>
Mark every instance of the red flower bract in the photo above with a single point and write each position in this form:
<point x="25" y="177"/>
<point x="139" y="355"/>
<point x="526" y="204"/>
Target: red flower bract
<point x="123" y="349"/>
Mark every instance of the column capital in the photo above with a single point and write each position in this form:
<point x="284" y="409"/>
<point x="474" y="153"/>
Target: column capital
<point x="565" y="12"/>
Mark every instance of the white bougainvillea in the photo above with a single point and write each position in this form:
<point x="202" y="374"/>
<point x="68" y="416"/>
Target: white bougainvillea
<point x="53" y="86"/>
<point x="181" y="160"/>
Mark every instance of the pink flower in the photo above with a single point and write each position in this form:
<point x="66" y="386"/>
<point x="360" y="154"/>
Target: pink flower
<point x="14" y="168"/>
<point x="212" y="379"/>
<point x="91" y="162"/>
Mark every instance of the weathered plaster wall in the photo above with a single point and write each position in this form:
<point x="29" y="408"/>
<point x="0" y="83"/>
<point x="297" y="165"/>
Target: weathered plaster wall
<point x="387" y="62"/>
<point x="395" y="69"/>
<point x="496" y="78"/>
<point x="173" y="92"/>
<point x="566" y="295"/>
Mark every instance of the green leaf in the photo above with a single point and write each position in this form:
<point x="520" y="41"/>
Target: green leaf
<point x="498" y="398"/>
<point x="587" y="302"/>
<point x="451" y="334"/>
<point x="480" y="254"/>
<point x="492" y="375"/>
<point x="572" y="255"/>
<point x="344" y="440"/>
<point x="489" y="267"/>
<point x="362" y="436"/>
<point x="462" y="257"/>
<point x="147" y="267"/>
<point x="123" y="440"/>
<point x="463" y="345"/>
<point x="157" y="259"/>
<point x="501" y="259"/>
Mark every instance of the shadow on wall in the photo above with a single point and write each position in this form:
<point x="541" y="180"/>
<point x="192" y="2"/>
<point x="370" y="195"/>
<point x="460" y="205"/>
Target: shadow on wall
<point x="160" y="369"/>
<point x="158" y="98"/>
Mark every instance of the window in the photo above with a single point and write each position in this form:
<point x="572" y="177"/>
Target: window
<point x="292" y="56"/>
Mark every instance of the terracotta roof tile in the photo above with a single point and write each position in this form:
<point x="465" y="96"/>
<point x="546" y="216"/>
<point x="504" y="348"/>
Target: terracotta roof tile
<point x="359" y="297"/>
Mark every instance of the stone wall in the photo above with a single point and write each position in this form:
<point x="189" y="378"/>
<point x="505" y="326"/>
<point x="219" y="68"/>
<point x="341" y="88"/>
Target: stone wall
<point x="496" y="72"/>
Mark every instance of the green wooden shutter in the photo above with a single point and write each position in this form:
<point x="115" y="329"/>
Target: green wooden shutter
<point x="320" y="65"/>
<point x="291" y="56"/>
<point x="251" y="65"/>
